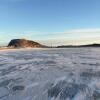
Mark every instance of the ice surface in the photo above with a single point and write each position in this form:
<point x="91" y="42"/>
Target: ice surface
<point x="50" y="74"/>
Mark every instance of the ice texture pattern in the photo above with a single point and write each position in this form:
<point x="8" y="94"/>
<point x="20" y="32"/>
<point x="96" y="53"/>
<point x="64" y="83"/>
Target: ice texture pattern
<point x="50" y="74"/>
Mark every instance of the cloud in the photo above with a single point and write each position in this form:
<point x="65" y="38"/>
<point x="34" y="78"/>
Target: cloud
<point x="84" y="31"/>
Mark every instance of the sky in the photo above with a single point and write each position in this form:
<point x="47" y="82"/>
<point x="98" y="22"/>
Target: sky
<point x="50" y="22"/>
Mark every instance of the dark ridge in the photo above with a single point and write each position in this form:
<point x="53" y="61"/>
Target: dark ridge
<point x="77" y="46"/>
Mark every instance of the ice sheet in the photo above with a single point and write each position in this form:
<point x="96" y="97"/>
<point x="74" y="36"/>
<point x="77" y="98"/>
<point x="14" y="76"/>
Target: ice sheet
<point x="50" y="74"/>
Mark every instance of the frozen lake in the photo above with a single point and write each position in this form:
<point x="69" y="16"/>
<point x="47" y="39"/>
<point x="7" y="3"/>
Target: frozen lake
<point x="50" y="74"/>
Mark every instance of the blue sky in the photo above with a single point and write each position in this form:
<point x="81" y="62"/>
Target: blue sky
<point x="50" y="21"/>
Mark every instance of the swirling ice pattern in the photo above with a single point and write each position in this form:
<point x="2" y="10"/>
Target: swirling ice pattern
<point x="50" y="74"/>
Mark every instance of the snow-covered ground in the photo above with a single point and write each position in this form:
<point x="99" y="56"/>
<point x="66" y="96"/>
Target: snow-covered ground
<point x="50" y="74"/>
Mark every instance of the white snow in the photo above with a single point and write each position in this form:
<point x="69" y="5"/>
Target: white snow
<point x="50" y="74"/>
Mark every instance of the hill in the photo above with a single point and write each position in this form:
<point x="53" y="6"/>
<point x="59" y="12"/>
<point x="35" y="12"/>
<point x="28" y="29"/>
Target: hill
<point x="23" y="43"/>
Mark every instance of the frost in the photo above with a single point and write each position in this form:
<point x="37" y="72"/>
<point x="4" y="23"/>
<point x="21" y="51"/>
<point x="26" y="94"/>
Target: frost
<point x="50" y="74"/>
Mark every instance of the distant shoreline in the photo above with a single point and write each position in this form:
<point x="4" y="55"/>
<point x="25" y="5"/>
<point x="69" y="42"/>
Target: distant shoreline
<point x="10" y="49"/>
<point x="62" y="46"/>
<point x="16" y="44"/>
<point x="79" y="46"/>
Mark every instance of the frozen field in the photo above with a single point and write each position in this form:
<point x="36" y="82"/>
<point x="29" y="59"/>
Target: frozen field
<point x="50" y="74"/>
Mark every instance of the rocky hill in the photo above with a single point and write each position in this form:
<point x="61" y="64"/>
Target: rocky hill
<point x="23" y="43"/>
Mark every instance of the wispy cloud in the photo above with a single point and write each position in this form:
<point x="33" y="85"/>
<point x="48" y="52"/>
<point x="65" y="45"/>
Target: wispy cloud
<point x="68" y="35"/>
<point x="84" y="31"/>
<point x="81" y="33"/>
